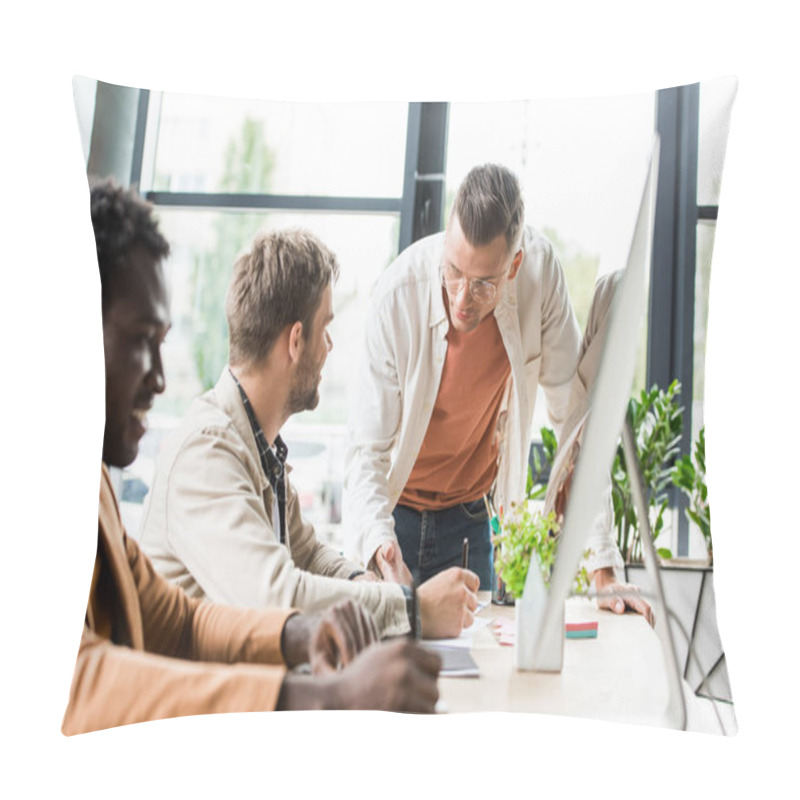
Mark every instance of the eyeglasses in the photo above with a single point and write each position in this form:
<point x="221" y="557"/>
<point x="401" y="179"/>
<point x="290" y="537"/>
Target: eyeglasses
<point x="480" y="291"/>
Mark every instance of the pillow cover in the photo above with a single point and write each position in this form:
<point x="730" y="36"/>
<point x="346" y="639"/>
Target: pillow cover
<point x="218" y="170"/>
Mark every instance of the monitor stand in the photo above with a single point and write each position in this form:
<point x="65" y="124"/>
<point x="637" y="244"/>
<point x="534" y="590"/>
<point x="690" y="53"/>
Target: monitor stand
<point x="676" y="707"/>
<point x="543" y="646"/>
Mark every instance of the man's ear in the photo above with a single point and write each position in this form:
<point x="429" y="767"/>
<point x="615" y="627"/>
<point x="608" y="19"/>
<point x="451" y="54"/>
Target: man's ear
<point x="512" y="272"/>
<point x="296" y="341"/>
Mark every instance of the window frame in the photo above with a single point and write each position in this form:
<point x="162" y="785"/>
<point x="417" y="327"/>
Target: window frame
<point x="421" y="212"/>
<point x="420" y="207"/>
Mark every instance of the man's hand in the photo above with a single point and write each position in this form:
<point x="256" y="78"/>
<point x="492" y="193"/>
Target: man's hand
<point x="343" y="632"/>
<point x="447" y="603"/>
<point x="616" y="596"/>
<point x="388" y="562"/>
<point x="395" y="676"/>
<point x="327" y="640"/>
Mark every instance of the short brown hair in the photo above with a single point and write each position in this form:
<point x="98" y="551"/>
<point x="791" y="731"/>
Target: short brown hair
<point x="280" y="281"/>
<point x="489" y="203"/>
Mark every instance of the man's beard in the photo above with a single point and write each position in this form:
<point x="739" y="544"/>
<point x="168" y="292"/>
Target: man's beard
<point x="304" y="392"/>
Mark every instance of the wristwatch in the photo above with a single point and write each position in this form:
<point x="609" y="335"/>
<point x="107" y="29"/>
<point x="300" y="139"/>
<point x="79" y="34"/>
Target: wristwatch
<point x="412" y="609"/>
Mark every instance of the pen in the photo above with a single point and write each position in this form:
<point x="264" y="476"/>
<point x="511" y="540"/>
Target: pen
<point x="464" y="553"/>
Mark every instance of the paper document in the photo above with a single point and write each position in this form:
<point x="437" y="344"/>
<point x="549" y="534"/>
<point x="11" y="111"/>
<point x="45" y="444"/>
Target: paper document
<point x="455" y="652"/>
<point x="456" y="661"/>
<point x="465" y="639"/>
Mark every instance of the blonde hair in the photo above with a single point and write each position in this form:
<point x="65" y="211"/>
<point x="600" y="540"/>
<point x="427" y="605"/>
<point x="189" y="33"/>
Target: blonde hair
<point x="280" y="281"/>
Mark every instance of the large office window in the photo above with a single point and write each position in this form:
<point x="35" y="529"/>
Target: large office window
<point x="716" y="99"/>
<point x="369" y="178"/>
<point x="693" y="124"/>
<point x="582" y="165"/>
<point x="219" y="170"/>
<point x="214" y="145"/>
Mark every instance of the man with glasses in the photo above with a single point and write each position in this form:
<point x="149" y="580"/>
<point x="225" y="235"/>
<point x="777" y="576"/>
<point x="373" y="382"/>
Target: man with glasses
<point x="462" y="329"/>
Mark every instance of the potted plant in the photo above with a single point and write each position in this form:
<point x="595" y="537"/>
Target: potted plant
<point x="688" y="584"/>
<point x="656" y="420"/>
<point x="690" y="476"/>
<point x="528" y="538"/>
<point x="527" y="534"/>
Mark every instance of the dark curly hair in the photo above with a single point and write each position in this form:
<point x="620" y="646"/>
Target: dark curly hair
<point x="122" y="222"/>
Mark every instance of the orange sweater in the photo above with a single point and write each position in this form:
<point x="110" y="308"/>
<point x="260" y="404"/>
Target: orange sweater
<point x="168" y="655"/>
<point x="457" y="462"/>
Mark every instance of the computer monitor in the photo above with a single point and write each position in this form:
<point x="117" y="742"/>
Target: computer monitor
<point x="608" y="400"/>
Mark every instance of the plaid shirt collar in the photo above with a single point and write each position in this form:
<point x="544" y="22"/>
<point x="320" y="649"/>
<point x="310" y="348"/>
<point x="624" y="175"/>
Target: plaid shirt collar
<point x="273" y="460"/>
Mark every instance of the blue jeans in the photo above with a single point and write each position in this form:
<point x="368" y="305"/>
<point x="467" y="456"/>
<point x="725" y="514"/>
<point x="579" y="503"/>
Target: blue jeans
<point x="431" y="540"/>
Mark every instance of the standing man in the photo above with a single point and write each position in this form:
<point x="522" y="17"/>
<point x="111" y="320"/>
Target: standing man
<point x="222" y="518"/>
<point x="147" y="650"/>
<point x="462" y="329"/>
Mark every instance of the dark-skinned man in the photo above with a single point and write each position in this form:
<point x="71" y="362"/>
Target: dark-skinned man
<point x="148" y="651"/>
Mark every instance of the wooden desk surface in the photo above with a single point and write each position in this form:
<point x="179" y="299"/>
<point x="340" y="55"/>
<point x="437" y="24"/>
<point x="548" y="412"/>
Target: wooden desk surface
<point x="619" y="676"/>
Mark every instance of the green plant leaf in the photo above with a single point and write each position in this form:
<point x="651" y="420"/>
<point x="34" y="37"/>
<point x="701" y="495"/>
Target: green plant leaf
<point x="538" y="493"/>
<point x="550" y="444"/>
<point x="656" y="418"/>
<point x="525" y="535"/>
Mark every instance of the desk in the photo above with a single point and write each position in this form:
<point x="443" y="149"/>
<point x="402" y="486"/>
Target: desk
<point x="619" y="676"/>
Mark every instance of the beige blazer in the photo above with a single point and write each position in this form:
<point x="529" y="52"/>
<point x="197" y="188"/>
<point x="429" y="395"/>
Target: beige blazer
<point x="208" y="524"/>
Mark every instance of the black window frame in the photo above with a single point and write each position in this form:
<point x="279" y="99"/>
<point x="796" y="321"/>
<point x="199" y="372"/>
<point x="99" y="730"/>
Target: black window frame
<point x="421" y="212"/>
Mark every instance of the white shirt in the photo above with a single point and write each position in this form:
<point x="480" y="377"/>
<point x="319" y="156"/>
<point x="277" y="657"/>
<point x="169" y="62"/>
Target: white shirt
<point x="401" y="367"/>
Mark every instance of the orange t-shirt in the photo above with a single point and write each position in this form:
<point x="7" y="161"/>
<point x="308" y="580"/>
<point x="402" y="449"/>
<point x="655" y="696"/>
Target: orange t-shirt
<point x="457" y="462"/>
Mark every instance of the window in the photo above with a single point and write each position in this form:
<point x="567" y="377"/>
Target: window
<point x="300" y="149"/>
<point x="219" y="170"/>
<point x="716" y="99"/>
<point x="693" y="124"/>
<point x="368" y="178"/>
<point x="581" y="164"/>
